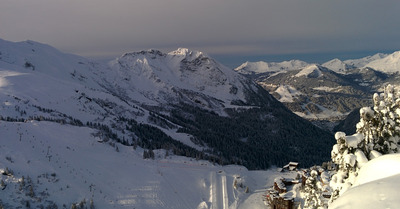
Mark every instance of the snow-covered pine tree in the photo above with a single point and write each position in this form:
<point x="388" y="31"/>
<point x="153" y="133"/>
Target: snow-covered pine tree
<point x="378" y="132"/>
<point x="345" y="154"/>
<point x="313" y="192"/>
<point x="381" y="126"/>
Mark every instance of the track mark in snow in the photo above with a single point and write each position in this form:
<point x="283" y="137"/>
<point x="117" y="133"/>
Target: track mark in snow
<point x="218" y="191"/>
<point x="224" y="192"/>
<point x="213" y="192"/>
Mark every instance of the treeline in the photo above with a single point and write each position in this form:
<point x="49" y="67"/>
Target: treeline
<point x="257" y="137"/>
<point x="151" y="138"/>
<point x="69" y="120"/>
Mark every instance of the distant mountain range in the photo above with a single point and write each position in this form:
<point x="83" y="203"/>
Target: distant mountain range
<point x="182" y="101"/>
<point x="387" y="63"/>
<point x="325" y="93"/>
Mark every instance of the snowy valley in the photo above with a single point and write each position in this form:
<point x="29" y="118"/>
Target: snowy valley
<point x="54" y="164"/>
<point x="70" y="124"/>
<point x="179" y="130"/>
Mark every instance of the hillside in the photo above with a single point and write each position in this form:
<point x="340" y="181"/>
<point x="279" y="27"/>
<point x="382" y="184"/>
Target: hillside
<point x="316" y="92"/>
<point x="182" y="101"/>
<point x="388" y="64"/>
<point x="327" y="93"/>
<point x="49" y="165"/>
<point x="265" y="67"/>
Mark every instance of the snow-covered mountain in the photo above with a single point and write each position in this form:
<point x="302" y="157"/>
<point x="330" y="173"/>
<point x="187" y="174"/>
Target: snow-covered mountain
<point x="268" y="67"/>
<point x="317" y="92"/>
<point x="178" y="76"/>
<point x="80" y="130"/>
<point x="359" y="63"/>
<point x="338" y="66"/>
<point x="388" y="64"/>
<point x="311" y="71"/>
<point x="190" y="103"/>
<point x="34" y="75"/>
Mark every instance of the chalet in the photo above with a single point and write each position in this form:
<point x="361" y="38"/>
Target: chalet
<point x="280" y="196"/>
<point x="277" y="197"/>
<point x="279" y="201"/>
<point x="279" y="186"/>
<point x="292" y="166"/>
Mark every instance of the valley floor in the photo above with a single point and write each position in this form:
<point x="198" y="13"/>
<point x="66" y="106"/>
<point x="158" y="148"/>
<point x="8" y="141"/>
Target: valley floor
<point x="62" y="164"/>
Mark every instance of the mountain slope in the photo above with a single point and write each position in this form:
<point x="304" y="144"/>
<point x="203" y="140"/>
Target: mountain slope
<point x="338" y="66"/>
<point x="49" y="165"/>
<point x="359" y="63"/>
<point x="264" y="67"/>
<point x="326" y="93"/>
<point x="181" y="75"/>
<point x="182" y="101"/>
<point x="315" y="92"/>
<point x="388" y="64"/>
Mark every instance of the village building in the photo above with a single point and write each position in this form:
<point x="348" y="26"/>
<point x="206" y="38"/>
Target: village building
<point x="292" y="166"/>
<point x="280" y="196"/>
<point x="277" y="197"/>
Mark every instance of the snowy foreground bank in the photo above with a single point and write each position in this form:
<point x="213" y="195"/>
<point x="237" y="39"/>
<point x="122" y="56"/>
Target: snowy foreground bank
<point x="376" y="186"/>
<point x="65" y="165"/>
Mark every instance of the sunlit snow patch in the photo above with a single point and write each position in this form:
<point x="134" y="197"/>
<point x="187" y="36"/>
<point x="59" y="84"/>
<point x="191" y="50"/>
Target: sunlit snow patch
<point x="311" y="71"/>
<point x="287" y="93"/>
<point x="376" y="186"/>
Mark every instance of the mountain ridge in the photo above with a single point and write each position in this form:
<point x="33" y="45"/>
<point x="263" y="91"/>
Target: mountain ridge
<point x="265" y="67"/>
<point x="181" y="101"/>
<point x="318" y="94"/>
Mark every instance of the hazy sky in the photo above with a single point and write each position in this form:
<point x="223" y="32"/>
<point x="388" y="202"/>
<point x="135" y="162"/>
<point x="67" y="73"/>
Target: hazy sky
<point x="218" y="27"/>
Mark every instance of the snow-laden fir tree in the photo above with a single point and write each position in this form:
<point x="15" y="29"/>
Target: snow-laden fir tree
<point x="348" y="158"/>
<point x="378" y="132"/>
<point x="313" y="192"/>
<point x="381" y="126"/>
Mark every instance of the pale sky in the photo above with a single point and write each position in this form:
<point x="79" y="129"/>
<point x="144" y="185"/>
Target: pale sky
<point x="217" y="27"/>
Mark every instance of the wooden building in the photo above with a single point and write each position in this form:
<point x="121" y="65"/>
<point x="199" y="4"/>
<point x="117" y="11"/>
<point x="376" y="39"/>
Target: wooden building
<point x="277" y="201"/>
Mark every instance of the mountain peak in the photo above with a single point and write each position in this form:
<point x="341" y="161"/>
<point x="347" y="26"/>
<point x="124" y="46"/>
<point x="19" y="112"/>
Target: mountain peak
<point x="153" y="52"/>
<point x="264" y="67"/>
<point x="337" y="65"/>
<point x="187" y="53"/>
<point x="311" y="71"/>
<point x="362" y="62"/>
<point x="388" y="64"/>
<point x="395" y="54"/>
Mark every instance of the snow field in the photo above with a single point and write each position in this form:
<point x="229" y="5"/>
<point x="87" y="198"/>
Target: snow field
<point x="68" y="164"/>
<point x="375" y="187"/>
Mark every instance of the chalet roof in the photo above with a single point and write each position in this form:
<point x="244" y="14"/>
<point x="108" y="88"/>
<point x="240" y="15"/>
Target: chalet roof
<point x="279" y="183"/>
<point x="291" y="166"/>
<point x="286" y="196"/>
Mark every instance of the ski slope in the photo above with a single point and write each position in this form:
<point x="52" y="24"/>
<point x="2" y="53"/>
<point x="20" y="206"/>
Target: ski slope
<point x="70" y="164"/>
